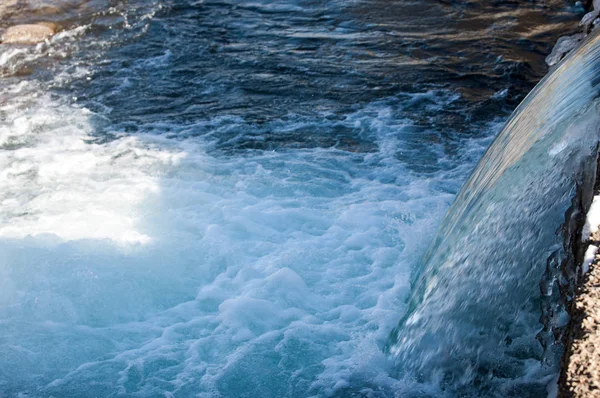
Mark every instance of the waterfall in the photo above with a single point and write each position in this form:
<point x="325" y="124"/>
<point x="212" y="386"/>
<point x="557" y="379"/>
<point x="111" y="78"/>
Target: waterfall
<point x="488" y="303"/>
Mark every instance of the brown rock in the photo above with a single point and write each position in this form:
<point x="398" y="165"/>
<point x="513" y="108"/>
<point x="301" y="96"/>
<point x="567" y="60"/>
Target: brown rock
<point x="28" y="34"/>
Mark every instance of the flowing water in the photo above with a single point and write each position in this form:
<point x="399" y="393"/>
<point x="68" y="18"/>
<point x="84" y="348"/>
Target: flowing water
<point x="229" y="198"/>
<point x="472" y="316"/>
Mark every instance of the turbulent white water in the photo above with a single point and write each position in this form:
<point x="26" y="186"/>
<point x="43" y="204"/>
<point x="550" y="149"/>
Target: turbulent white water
<point x="143" y="263"/>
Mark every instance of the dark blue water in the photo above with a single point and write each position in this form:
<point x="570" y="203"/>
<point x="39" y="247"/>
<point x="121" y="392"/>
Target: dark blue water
<point x="227" y="199"/>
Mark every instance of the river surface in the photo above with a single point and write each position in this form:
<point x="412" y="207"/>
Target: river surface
<point x="228" y="198"/>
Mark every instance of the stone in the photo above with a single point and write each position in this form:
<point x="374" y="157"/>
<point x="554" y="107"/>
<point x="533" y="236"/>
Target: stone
<point x="29" y="33"/>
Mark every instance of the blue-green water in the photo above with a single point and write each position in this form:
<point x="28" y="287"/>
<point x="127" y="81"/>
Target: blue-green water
<point x="228" y="199"/>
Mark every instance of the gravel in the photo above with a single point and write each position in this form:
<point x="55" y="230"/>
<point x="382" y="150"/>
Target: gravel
<point x="580" y="375"/>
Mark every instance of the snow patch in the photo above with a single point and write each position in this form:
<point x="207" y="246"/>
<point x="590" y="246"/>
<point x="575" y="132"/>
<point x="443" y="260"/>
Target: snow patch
<point x="592" y="220"/>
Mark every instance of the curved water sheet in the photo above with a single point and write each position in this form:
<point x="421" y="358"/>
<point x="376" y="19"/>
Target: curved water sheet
<point x="475" y="311"/>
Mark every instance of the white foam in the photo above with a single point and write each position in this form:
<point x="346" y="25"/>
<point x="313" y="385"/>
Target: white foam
<point x="157" y="268"/>
<point x="55" y="180"/>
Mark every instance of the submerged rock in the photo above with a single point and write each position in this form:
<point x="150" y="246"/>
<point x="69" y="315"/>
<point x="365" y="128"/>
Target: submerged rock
<point x="29" y="33"/>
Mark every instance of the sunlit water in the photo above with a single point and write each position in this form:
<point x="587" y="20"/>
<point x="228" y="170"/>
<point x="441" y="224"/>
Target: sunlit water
<point x="211" y="199"/>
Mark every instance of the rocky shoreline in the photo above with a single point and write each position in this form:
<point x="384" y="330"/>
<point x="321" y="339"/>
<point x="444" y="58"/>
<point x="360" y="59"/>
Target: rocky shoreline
<point x="580" y="375"/>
